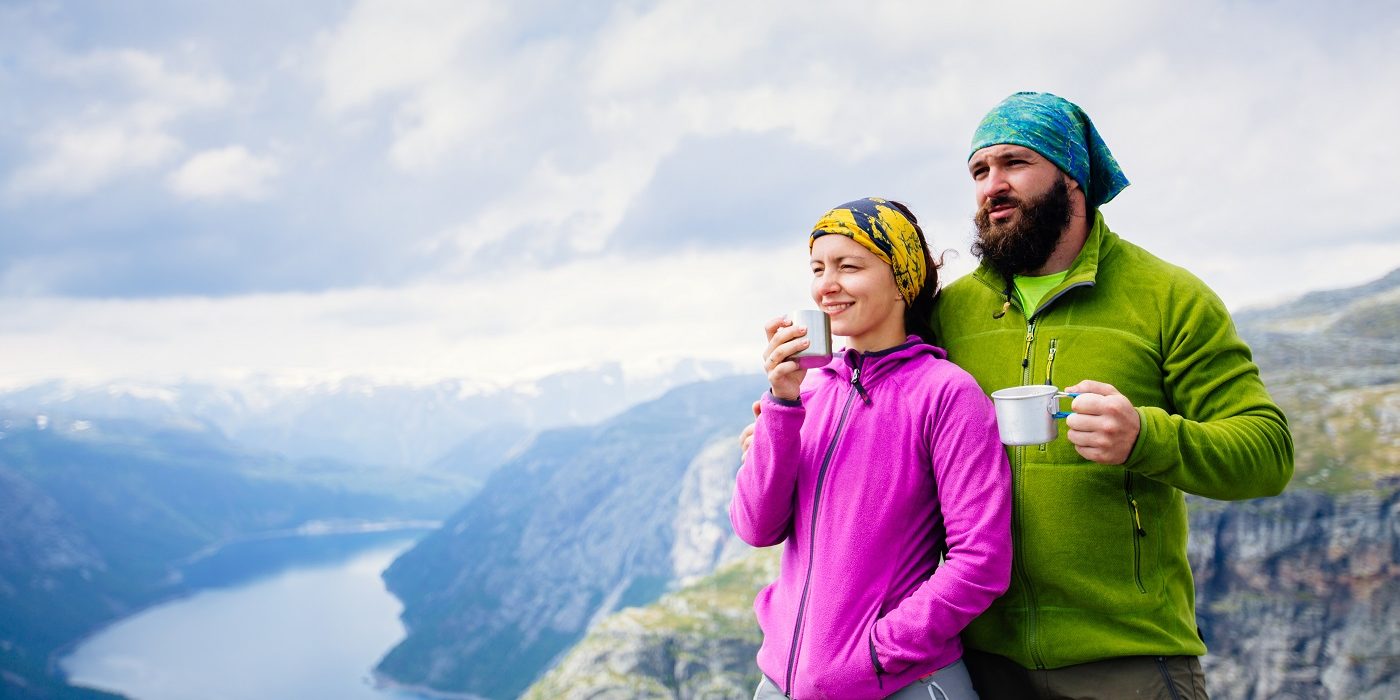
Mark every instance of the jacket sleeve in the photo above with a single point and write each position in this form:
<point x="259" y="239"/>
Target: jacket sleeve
<point x="974" y="495"/>
<point x="1223" y="436"/>
<point x="765" y="490"/>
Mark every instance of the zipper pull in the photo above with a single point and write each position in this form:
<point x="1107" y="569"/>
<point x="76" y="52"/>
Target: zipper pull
<point x="1030" y="338"/>
<point x="855" y="382"/>
<point x="1137" y="519"/>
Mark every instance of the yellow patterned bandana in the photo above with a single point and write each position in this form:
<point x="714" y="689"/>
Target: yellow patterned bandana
<point x="886" y="232"/>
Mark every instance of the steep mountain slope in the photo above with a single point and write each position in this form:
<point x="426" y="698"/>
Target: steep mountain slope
<point x="1332" y="361"/>
<point x="580" y="524"/>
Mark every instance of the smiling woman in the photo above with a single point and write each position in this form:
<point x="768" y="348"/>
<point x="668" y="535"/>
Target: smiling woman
<point x="887" y="443"/>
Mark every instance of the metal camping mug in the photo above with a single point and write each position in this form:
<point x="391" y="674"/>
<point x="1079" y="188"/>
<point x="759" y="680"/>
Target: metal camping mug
<point x="1026" y="415"/>
<point x="818" y="350"/>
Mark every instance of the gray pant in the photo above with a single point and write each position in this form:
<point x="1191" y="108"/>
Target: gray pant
<point x="950" y="683"/>
<point x="1146" y="677"/>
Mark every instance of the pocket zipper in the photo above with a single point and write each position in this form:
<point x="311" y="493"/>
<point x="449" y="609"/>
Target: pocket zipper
<point x="1138" y="531"/>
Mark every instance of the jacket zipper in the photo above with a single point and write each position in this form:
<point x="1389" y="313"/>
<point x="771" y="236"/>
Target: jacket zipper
<point x="1138" y="532"/>
<point x="1050" y="380"/>
<point x="856" y="388"/>
<point x="1017" y="465"/>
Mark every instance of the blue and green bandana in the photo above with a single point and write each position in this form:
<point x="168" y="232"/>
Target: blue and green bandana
<point x="885" y="231"/>
<point x="1059" y="130"/>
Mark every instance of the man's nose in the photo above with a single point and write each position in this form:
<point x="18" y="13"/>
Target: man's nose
<point x="994" y="183"/>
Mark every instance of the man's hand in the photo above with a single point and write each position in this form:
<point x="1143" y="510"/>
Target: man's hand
<point x="1105" y="425"/>
<point x="746" y="437"/>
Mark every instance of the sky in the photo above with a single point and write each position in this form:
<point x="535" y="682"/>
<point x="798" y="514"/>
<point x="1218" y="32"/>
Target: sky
<point x="413" y="190"/>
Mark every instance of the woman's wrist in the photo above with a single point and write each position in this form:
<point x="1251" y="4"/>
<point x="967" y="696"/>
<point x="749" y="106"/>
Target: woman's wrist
<point x="794" y="400"/>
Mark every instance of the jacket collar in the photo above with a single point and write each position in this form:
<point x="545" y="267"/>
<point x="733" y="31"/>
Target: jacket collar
<point x="1082" y="272"/>
<point x="878" y="363"/>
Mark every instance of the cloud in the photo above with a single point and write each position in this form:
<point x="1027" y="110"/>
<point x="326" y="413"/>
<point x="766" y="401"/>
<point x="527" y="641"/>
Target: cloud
<point x="501" y="325"/>
<point x="431" y="143"/>
<point x="224" y="173"/>
<point x="384" y="47"/>
<point x="77" y="159"/>
<point x="442" y="91"/>
<point x="124" y="127"/>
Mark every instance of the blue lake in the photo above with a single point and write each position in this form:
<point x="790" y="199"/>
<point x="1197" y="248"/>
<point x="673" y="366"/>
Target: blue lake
<point x="294" y="618"/>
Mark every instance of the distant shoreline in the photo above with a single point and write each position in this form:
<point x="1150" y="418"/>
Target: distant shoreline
<point x="309" y="529"/>
<point x="312" y="528"/>
<point x="383" y="682"/>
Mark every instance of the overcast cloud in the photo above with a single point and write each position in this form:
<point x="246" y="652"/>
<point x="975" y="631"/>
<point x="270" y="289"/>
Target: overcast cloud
<point x="430" y="188"/>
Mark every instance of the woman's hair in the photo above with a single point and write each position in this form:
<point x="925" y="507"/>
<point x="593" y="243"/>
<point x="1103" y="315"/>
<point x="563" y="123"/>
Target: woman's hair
<point x="917" y="316"/>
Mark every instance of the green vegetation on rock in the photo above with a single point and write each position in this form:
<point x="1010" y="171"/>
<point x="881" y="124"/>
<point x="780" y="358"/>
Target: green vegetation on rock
<point x="698" y="642"/>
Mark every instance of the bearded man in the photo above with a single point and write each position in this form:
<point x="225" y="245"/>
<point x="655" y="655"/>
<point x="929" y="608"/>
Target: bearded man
<point x="1101" y="603"/>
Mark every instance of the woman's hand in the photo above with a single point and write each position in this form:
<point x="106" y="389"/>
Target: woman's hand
<point x="784" y="340"/>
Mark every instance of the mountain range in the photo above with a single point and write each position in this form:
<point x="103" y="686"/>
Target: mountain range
<point x="434" y="443"/>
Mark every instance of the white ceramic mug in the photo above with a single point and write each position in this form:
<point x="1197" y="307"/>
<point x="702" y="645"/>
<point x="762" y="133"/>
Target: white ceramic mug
<point x="1026" y="415"/>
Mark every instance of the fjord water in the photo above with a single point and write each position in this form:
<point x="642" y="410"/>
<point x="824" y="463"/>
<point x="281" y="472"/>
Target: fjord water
<point x="304" y="617"/>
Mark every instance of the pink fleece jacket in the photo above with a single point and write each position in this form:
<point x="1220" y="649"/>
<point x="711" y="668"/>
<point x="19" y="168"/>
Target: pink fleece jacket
<point x="888" y="460"/>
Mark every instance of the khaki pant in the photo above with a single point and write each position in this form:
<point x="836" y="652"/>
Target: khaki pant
<point x="1151" y="677"/>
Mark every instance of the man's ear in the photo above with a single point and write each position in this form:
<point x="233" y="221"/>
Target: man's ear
<point x="1071" y="182"/>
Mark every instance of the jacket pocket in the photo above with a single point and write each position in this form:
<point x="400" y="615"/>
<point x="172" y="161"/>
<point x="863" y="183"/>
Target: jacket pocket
<point x="1135" y="522"/>
<point x="875" y="659"/>
<point x="1079" y="547"/>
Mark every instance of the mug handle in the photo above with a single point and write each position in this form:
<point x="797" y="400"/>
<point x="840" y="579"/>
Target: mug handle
<point x="1060" y="395"/>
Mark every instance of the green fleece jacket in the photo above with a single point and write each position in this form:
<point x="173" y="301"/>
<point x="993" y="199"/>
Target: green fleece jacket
<point x="1100" y="565"/>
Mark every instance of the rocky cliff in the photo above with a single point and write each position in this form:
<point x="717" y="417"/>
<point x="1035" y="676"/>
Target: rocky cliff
<point x="1297" y="596"/>
<point x="696" y="643"/>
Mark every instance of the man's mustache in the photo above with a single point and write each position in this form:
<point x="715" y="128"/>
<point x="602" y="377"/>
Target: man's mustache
<point x="996" y="201"/>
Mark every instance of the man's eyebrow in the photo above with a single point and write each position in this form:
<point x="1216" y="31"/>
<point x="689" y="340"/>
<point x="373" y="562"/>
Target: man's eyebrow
<point x="1001" y="156"/>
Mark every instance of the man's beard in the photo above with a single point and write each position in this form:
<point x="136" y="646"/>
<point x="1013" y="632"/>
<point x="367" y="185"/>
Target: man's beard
<point x="1023" y="244"/>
